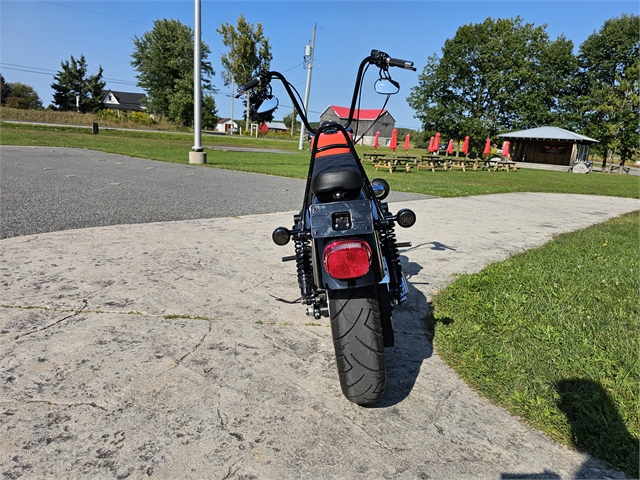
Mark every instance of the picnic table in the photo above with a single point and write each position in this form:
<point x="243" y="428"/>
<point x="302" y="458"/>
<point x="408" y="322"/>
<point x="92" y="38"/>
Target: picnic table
<point x="405" y="161"/>
<point x="462" y="163"/>
<point x="432" y="162"/>
<point x="373" y="157"/>
<point x="505" y="165"/>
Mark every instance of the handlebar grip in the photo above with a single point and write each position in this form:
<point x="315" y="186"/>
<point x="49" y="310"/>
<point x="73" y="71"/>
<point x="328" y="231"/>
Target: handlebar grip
<point x="254" y="82"/>
<point x="397" y="62"/>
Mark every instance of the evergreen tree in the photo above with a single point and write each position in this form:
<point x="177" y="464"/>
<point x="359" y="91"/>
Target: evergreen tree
<point x="73" y="82"/>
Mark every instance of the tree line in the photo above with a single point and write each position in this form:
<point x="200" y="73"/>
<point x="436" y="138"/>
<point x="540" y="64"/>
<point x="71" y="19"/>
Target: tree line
<point x="491" y="77"/>
<point x="505" y="75"/>
<point x="163" y="60"/>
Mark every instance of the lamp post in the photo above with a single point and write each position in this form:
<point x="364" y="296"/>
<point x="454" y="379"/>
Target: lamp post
<point x="197" y="153"/>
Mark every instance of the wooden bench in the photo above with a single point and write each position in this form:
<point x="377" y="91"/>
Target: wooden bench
<point x="616" y="168"/>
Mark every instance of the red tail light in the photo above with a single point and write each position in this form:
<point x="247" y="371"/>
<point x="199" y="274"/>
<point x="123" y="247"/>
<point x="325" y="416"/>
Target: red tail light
<point x="347" y="259"/>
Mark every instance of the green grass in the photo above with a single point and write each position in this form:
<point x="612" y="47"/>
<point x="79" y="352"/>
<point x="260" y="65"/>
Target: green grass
<point x="173" y="147"/>
<point x="552" y="335"/>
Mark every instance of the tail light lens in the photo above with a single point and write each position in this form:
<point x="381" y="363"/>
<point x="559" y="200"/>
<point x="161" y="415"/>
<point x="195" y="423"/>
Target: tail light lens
<point x="347" y="259"/>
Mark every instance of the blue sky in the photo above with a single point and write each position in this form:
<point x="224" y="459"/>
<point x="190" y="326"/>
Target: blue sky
<point x="36" y="35"/>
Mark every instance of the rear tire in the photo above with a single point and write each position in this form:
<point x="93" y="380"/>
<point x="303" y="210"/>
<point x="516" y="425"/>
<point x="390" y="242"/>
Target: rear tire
<point x="358" y="342"/>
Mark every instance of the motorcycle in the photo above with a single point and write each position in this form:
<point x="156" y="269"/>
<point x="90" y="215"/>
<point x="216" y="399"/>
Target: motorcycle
<point x="346" y="252"/>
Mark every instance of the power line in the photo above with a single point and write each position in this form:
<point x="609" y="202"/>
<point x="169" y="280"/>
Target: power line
<point x="97" y="13"/>
<point x="46" y="71"/>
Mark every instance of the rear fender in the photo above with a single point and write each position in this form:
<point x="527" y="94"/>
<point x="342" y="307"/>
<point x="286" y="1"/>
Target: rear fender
<point x="326" y="281"/>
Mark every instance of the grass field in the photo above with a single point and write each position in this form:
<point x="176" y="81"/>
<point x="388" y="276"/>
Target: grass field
<point x="174" y="147"/>
<point x="552" y="335"/>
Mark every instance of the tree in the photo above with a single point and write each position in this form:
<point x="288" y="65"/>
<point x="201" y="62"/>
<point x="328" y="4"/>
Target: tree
<point x="608" y="94"/>
<point x="163" y="58"/>
<point x="3" y="90"/>
<point x="73" y="82"/>
<point x="290" y="120"/>
<point x="19" y="95"/>
<point x="494" y="76"/>
<point x="209" y="113"/>
<point x="249" y="53"/>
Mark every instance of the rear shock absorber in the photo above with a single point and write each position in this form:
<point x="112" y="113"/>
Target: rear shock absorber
<point x="304" y="268"/>
<point x="391" y="253"/>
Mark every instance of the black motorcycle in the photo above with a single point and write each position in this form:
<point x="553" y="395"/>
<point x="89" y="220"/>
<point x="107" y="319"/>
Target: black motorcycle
<point x="346" y="251"/>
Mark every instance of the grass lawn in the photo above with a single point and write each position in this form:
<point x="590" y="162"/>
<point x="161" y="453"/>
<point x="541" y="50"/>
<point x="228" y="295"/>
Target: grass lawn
<point x="552" y="335"/>
<point x="172" y="147"/>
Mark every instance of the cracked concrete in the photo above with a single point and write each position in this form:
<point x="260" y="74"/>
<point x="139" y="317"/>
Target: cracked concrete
<point x="156" y="350"/>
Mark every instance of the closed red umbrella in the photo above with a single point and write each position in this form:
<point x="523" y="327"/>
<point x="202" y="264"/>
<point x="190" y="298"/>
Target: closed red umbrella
<point x="431" y="143"/>
<point x="465" y="146"/>
<point x="450" y="147"/>
<point x="436" y="144"/>
<point x="505" y="149"/>
<point x="394" y="141"/>
<point x="487" y="147"/>
<point x="406" y="143"/>
<point x="376" y="140"/>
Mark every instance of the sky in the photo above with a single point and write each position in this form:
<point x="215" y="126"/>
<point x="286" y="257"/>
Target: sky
<point x="37" y="35"/>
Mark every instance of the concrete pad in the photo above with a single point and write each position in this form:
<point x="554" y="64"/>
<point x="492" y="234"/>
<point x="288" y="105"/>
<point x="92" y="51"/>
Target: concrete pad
<point x="157" y="350"/>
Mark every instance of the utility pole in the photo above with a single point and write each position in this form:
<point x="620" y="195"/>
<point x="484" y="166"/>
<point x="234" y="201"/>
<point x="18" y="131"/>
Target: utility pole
<point x="197" y="153"/>
<point x="308" y="53"/>
<point x="233" y="86"/>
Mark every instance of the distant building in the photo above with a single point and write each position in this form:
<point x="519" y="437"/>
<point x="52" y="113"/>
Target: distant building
<point x="123" y="101"/>
<point x="551" y="145"/>
<point x="273" y="127"/>
<point x="366" y="122"/>
<point x="225" y="125"/>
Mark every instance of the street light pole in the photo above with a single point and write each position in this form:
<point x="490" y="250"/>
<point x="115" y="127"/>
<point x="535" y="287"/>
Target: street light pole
<point x="306" y="93"/>
<point x="197" y="154"/>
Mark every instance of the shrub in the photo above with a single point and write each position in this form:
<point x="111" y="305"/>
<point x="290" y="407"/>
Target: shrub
<point x="142" y="118"/>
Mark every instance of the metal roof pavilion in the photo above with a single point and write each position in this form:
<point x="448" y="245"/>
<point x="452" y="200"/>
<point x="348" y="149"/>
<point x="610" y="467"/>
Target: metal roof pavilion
<point x="548" y="133"/>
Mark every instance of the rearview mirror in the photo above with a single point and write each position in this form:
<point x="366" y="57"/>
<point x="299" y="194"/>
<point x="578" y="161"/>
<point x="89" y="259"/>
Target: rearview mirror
<point x="380" y="188"/>
<point x="386" y="86"/>
<point x="268" y="105"/>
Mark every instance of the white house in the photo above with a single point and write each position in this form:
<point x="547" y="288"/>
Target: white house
<point x="225" y="124"/>
<point x="125" y="101"/>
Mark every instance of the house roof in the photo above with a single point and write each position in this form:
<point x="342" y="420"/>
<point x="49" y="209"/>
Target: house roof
<point x="226" y="120"/>
<point x="548" y="133"/>
<point x="276" y="126"/>
<point x="343" y="113"/>
<point x="123" y="100"/>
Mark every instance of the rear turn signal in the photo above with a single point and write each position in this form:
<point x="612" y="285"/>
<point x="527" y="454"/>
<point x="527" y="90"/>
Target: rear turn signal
<point x="281" y="236"/>
<point x="347" y="259"/>
<point x="405" y="218"/>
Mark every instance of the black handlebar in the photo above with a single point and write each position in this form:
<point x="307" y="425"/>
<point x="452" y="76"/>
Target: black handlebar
<point x="396" y="62"/>
<point x="254" y="82"/>
<point x="383" y="60"/>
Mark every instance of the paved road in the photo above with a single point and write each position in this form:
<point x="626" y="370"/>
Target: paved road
<point x="50" y="189"/>
<point x="155" y="350"/>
